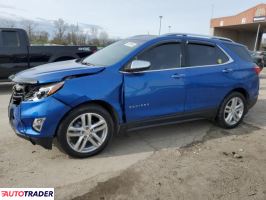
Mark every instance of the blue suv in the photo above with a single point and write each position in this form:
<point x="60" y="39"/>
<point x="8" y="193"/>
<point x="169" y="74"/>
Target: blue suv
<point x="139" y="82"/>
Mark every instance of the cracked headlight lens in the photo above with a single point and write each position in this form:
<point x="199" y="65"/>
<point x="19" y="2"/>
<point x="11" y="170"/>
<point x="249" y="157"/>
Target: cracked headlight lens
<point x="43" y="91"/>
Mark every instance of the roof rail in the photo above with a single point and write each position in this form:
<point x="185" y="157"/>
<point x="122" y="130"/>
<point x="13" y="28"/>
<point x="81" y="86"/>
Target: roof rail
<point x="199" y="36"/>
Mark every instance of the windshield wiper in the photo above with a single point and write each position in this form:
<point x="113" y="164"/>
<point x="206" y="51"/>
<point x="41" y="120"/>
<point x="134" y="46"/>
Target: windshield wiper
<point x="86" y="63"/>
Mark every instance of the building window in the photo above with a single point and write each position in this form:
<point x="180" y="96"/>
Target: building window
<point x="260" y="12"/>
<point x="244" y="20"/>
<point x="221" y="23"/>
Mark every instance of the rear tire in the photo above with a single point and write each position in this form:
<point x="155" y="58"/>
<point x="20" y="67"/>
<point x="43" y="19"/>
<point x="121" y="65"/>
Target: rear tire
<point x="85" y="131"/>
<point x="232" y="111"/>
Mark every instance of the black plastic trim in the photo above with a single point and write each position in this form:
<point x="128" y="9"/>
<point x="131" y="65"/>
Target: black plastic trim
<point x="45" y="142"/>
<point x="169" y="119"/>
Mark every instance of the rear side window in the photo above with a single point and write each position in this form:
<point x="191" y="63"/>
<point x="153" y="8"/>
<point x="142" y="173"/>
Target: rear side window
<point x="202" y="54"/>
<point x="241" y="51"/>
<point x="165" y="56"/>
<point x="10" y="39"/>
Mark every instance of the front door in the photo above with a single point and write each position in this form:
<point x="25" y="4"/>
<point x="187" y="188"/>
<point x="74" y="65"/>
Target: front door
<point x="159" y="91"/>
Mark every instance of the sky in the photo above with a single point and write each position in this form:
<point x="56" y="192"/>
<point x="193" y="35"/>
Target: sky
<point x="123" y="18"/>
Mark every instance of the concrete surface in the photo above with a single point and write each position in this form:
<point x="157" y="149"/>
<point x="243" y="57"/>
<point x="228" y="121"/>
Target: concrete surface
<point x="25" y="165"/>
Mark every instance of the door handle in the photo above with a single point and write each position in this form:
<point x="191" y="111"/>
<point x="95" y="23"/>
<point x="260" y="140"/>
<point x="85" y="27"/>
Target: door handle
<point x="177" y="76"/>
<point x="227" y="70"/>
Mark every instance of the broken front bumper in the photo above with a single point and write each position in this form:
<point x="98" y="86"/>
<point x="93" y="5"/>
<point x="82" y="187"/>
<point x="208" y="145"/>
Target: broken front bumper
<point x="21" y="118"/>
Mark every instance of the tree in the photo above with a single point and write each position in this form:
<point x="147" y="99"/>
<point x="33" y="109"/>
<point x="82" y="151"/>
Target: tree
<point x="93" y="32"/>
<point x="103" y="38"/>
<point x="72" y="34"/>
<point x="41" y="37"/>
<point x="82" y="38"/>
<point x="60" y="31"/>
<point x="75" y="36"/>
<point x="29" y="26"/>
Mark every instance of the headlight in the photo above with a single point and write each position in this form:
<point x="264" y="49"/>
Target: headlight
<point x="43" y="91"/>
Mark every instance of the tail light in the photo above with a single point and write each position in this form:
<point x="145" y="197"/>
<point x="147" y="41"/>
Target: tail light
<point x="257" y="69"/>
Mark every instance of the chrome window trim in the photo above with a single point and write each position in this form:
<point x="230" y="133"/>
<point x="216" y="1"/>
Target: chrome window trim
<point x="230" y="60"/>
<point x="199" y="36"/>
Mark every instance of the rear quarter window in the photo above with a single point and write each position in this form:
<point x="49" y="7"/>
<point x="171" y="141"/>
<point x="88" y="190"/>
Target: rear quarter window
<point x="203" y="54"/>
<point x="240" y="51"/>
<point x="10" y="39"/>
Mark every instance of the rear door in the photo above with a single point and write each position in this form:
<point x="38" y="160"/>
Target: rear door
<point x="13" y="53"/>
<point x="159" y="91"/>
<point x="209" y="75"/>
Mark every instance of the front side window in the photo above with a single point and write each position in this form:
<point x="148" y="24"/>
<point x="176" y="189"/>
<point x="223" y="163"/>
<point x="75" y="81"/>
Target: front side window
<point x="201" y="54"/>
<point x="10" y="39"/>
<point x="165" y="56"/>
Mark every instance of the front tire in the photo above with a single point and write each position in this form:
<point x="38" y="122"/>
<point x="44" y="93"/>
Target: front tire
<point x="232" y="111"/>
<point x="85" y="131"/>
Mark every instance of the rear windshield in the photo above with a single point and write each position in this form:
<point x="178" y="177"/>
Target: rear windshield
<point x="113" y="53"/>
<point x="241" y="51"/>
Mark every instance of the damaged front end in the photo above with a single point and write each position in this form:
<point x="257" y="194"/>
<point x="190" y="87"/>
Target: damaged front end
<point x="29" y="118"/>
<point x="35" y="111"/>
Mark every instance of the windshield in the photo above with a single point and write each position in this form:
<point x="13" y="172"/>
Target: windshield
<point x="113" y="53"/>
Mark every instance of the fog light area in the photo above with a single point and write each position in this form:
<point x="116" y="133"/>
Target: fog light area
<point x="38" y="123"/>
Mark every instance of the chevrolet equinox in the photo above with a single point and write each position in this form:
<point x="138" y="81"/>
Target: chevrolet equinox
<point x="139" y="82"/>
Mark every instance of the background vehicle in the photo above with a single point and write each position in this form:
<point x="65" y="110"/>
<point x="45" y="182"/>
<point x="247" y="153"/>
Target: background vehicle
<point x="140" y="82"/>
<point x="259" y="58"/>
<point x="263" y="53"/>
<point x="16" y="54"/>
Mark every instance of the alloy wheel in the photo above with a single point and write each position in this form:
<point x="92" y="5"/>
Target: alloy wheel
<point x="234" y="111"/>
<point x="87" y="132"/>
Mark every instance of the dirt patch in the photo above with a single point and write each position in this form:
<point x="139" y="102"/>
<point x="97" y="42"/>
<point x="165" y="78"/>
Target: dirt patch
<point x="230" y="167"/>
<point x="120" y="184"/>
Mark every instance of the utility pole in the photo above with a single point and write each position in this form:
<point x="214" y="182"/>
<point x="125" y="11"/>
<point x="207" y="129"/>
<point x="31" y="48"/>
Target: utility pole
<point x="169" y="29"/>
<point x="257" y="38"/>
<point x="160" y="18"/>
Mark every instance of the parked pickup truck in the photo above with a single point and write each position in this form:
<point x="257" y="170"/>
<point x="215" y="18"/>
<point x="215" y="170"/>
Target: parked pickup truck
<point x="16" y="53"/>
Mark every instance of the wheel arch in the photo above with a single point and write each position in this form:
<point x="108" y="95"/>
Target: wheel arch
<point x="241" y="90"/>
<point x="108" y="107"/>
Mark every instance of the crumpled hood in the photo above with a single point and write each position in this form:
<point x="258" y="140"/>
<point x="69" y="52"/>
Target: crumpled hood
<point x="54" y="72"/>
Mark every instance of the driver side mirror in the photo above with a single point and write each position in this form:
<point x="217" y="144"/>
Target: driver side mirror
<point x="139" y="65"/>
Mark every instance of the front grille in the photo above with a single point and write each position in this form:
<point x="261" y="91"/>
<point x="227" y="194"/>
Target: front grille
<point x="22" y="92"/>
<point x="18" y="94"/>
